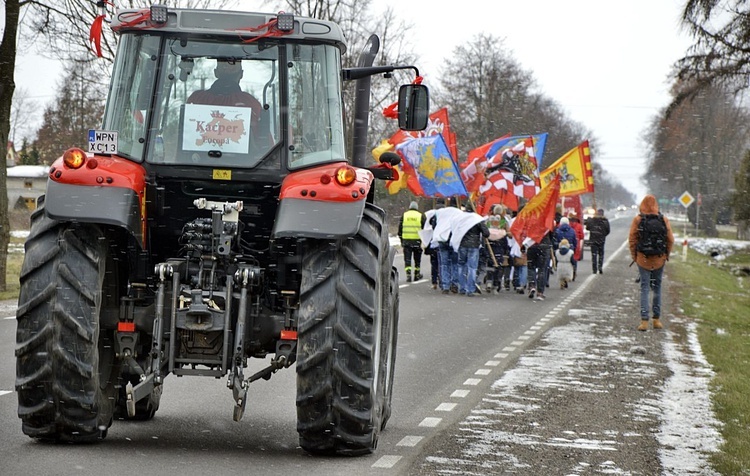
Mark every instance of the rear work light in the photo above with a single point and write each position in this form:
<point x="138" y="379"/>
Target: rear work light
<point x="159" y="14"/>
<point x="345" y="175"/>
<point x="285" y="22"/>
<point x="74" y="158"/>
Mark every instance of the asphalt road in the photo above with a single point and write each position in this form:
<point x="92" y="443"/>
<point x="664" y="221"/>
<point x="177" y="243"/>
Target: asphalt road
<point x="450" y="350"/>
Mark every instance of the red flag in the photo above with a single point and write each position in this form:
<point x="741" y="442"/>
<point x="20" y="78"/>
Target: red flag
<point x="537" y="217"/>
<point x="439" y="124"/>
<point x="508" y="172"/>
<point x="472" y="171"/>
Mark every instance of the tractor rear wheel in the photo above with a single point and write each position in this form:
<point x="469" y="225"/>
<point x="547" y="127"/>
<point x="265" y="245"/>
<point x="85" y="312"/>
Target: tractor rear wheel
<point x="65" y="367"/>
<point x="339" y="386"/>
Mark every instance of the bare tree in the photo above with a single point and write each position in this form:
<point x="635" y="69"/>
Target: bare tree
<point x="719" y="55"/>
<point x="491" y="95"/>
<point x="22" y="113"/>
<point x="697" y="146"/>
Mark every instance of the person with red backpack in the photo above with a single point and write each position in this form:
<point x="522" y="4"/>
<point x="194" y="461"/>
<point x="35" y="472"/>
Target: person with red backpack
<point x="651" y="242"/>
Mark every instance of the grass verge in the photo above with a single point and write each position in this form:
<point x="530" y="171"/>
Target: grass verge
<point x="719" y="301"/>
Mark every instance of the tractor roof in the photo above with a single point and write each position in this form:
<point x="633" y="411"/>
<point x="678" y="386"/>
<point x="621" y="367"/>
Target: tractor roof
<point x="233" y="24"/>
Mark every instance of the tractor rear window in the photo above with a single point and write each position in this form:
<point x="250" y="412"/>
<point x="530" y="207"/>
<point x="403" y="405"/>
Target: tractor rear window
<point x="217" y="104"/>
<point x="130" y="93"/>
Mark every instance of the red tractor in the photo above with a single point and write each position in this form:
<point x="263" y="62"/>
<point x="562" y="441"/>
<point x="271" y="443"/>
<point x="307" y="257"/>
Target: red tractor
<point x="216" y="217"/>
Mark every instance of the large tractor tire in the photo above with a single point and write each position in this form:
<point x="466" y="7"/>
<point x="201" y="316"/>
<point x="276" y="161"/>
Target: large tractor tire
<point x="340" y="388"/>
<point x="65" y="368"/>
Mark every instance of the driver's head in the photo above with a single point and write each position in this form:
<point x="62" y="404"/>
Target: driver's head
<point x="228" y="69"/>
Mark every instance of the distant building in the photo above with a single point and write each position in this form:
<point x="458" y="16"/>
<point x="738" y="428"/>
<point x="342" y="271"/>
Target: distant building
<point x="25" y="184"/>
<point x="11" y="156"/>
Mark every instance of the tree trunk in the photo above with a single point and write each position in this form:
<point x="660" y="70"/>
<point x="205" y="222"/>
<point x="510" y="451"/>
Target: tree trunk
<point x="743" y="229"/>
<point x="7" y="86"/>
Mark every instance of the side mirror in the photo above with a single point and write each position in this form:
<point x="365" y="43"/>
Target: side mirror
<point x="390" y="158"/>
<point x="413" y="107"/>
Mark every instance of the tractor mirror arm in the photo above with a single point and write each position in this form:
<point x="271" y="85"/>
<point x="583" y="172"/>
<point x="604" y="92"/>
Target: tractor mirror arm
<point x="349" y="74"/>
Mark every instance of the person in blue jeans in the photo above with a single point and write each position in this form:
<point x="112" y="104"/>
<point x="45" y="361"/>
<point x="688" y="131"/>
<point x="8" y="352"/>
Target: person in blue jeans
<point x="441" y="221"/>
<point x="651" y="266"/>
<point x="468" y="254"/>
<point x="448" y="259"/>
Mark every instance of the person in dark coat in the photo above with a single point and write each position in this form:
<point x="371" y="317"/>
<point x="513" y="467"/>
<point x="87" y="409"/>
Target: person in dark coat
<point x="468" y="255"/>
<point x="598" y="227"/>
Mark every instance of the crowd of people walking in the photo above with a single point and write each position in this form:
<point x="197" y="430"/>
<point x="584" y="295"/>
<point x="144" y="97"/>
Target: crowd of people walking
<point x="472" y="254"/>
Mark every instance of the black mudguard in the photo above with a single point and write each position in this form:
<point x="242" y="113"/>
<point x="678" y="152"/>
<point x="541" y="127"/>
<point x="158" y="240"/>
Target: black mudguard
<point x="317" y="219"/>
<point x="86" y="204"/>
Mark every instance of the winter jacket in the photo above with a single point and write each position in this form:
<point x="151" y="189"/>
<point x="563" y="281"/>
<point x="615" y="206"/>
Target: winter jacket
<point x="474" y="237"/>
<point x="649" y="206"/>
<point x="566" y="232"/>
<point x="598" y="226"/>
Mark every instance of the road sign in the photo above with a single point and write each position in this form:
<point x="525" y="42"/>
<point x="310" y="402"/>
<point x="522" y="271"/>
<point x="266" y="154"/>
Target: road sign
<point x="686" y="199"/>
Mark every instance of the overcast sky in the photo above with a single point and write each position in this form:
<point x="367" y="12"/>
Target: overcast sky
<point x="606" y="63"/>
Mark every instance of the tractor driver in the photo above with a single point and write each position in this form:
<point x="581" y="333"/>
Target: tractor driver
<point x="226" y="91"/>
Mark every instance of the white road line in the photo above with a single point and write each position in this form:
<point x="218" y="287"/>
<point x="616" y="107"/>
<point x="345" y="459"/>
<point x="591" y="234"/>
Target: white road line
<point x="430" y="422"/>
<point x="9" y="317"/>
<point x="446" y="407"/>
<point x="492" y="363"/>
<point x="530" y="332"/>
<point x="517" y="342"/>
<point x="472" y="381"/>
<point x="4" y="392"/>
<point x="386" y="461"/>
<point x="460" y="393"/>
<point x="410" y="441"/>
<point x="501" y="355"/>
<point x="483" y="372"/>
<point x="522" y="338"/>
<point x="509" y="349"/>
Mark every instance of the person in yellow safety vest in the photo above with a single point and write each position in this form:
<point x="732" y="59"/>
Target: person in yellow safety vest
<point x="408" y="231"/>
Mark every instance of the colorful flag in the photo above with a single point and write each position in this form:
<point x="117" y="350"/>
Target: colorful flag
<point x="428" y="159"/>
<point x="474" y="169"/>
<point x="574" y="168"/>
<point x="540" y="145"/>
<point x="538" y="216"/>
<point x="509" y="172"/>
<point x="437" y="124"/>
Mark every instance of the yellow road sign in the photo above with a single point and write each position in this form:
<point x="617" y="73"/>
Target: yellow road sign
<point x="686" y="199"/>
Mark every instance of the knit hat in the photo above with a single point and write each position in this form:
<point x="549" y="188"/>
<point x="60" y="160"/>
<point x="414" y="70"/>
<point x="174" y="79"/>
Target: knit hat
<point x="413" y="206"/>
<point x="600" y="212"/>
<point x="564" y="243"/>
<point x="564" y="221"/>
